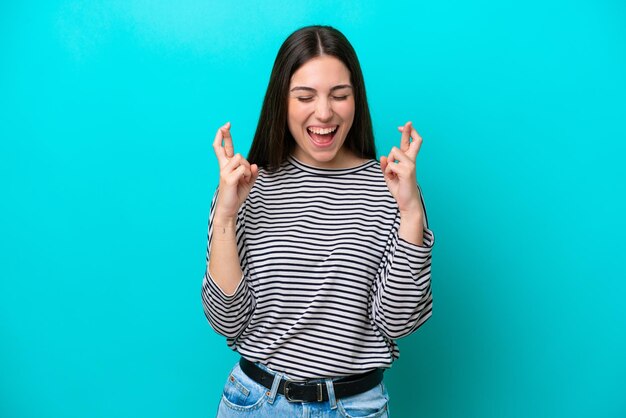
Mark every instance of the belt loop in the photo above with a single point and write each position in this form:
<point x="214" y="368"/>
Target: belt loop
<point x="330" y="388"/>
<point x="272" y="393"/>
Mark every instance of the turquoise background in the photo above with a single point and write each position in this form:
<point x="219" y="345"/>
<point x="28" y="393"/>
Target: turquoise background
<point x="107" y="114"/>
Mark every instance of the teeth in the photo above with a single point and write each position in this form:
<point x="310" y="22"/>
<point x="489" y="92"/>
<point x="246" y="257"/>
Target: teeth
<point x="322" y="131"/>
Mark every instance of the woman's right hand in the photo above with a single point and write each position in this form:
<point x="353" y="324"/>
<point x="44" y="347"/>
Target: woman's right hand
<point x="237" y="176"/>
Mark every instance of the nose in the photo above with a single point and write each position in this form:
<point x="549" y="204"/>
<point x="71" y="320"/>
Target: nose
<point x="323" y="110"/>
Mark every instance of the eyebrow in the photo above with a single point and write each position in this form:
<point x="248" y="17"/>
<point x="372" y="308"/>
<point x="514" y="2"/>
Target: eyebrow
<point x="338" y="87"/>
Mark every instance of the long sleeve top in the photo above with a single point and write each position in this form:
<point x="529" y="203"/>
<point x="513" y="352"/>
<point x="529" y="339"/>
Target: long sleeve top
<point x="328" y="285"/>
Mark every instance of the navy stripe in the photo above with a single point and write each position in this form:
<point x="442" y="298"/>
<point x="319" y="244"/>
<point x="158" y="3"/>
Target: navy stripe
<point x="328" y="285"/>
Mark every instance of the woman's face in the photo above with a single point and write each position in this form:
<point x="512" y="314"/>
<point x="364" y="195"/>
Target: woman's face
<point x="321" y="112"/>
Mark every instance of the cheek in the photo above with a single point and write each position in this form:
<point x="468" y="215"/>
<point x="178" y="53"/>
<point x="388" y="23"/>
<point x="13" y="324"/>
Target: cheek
<point x="346" y="109"/>
<point x="297" y="114"/>
<point x="295" y="120"/>
<point x="347" y="112"/>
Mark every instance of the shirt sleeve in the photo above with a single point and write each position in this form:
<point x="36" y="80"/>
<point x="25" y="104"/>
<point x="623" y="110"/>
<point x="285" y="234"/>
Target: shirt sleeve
<point x="227" y="314"/>
<point x="402" y="297"/>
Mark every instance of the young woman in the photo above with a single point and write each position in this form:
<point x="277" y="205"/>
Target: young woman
<point x="318" y="256"/>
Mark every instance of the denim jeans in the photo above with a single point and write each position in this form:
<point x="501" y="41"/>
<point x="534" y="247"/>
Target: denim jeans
<point x="243" y="397"/>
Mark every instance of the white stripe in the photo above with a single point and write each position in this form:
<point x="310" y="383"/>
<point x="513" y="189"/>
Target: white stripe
<point x="328" y="284"/>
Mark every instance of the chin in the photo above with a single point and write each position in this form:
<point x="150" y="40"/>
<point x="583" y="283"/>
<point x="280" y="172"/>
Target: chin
<point x="324" y="158"/>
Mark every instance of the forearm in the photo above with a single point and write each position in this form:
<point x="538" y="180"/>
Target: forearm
<point x="226" y="298"/>
<point x="224" y="264"/>
<point x="403" y="299"/>
<point x="412" y="228"/>
<point x="401" y="307"/>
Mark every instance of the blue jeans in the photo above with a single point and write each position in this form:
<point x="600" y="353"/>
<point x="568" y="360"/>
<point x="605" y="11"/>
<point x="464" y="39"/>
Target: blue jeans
<point x="243" y="397"/>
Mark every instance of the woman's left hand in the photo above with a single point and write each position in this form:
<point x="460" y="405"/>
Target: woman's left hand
<point x="399" y="171"/>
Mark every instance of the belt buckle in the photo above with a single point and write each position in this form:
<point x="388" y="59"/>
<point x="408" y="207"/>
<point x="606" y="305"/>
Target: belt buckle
<point x="320" y="393"/>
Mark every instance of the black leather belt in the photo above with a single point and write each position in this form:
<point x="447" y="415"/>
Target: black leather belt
<point x="296" y="391"/>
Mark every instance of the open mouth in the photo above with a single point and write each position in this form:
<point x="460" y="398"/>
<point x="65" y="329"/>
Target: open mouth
<point x="322" y="137"/>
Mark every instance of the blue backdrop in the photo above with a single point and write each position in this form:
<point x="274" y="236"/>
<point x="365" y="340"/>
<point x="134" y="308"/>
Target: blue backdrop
<point x="107" y="114"/>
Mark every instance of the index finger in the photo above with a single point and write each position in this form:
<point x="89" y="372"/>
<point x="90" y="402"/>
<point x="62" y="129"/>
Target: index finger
<point x="405" y="139"/>
<point x="218" y="148"/>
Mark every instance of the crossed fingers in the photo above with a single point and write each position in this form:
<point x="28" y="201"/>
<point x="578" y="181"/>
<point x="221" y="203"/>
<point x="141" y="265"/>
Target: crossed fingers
<point x="233" y="167"/>
<point x="401" y="160"/>
<point x="411" y="148"/>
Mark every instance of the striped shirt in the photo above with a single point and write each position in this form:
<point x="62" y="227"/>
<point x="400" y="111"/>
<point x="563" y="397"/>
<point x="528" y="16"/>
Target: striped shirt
<point x="328" y="284"/>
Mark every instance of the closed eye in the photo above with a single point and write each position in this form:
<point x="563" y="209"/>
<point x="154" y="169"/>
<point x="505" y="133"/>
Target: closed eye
<point x="305" y="98"/>
<point x="340" y="97"/>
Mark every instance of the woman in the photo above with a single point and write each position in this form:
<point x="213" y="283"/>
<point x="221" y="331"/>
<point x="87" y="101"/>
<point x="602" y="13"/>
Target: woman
<point x="318" y="256"/>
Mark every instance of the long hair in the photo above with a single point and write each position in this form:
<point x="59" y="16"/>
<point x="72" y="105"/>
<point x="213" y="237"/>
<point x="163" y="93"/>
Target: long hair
<point x="273" y="141"/>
